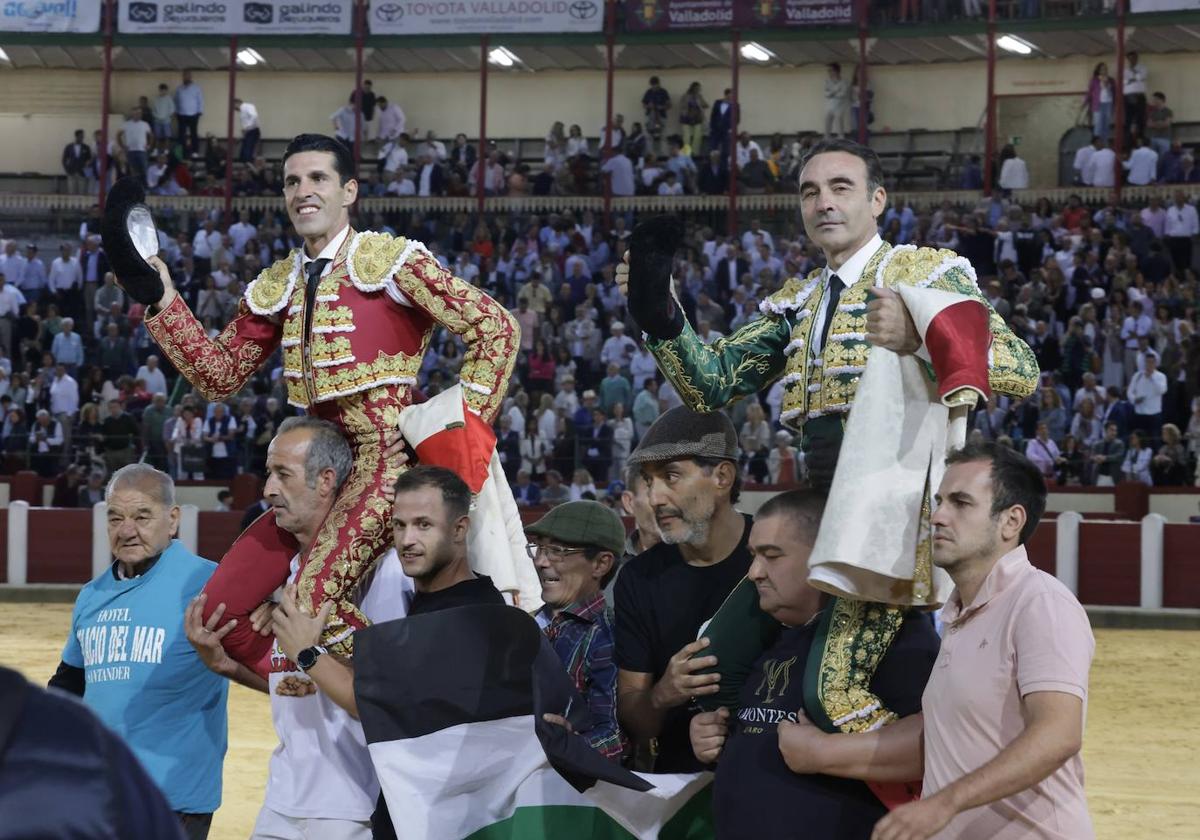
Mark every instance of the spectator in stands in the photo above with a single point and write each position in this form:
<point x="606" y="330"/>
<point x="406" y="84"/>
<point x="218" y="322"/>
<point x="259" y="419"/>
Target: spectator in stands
<point x="1180" y="227"/>
<point x="251" y="129"/>
<point x="11" y="303"/>
<point x="462" y="155"/>
<point x="343" y="121"/>
<point x="220" y="430"/>
<point x="1169" y="466"/>
<point x="1098" y="101"/>
<point x="755" y="177"/>
<point x="618" y="348"/>
<point x="1158" y="124"/>
<point x="67" y="346"/>
<point x="391" y="120"/>
<point x="45" y="444"/>
<point x="1043" y="452"/>
<point x="189" y="107"/>
<point x="136" y="138"/>
<point x="1146" y="390"/>
<point x="746" y="146"/>
<point x="971" y="177"/>
<point x="431" y="180"/>
<point x="491" y="176"/>
<point x="1071" y="465"/>
<point x="1014" y="173"/>
<point x="582" y="486"/>
<point x="555" y="492"/>
<point x="121" y="434"/>
<point x="525" y="492"/>
<point x="76" y="156"/>
<point x="619" y="168"/>
<point x="837" y="102"/>
<point x="1083" y="156"/>
<point x="1136" y="466"/>
<point x="32" y="280"/>
<point x="187" y="445"/>
<point x="692" y="107"/>
<point x="1142" y="163"/>
<point x="367" y="100"/>
<point x="656" y="103"/>
<point x="1135" y="97"/>
<point x="162" y="109"/>
<point x="713" y="178"/>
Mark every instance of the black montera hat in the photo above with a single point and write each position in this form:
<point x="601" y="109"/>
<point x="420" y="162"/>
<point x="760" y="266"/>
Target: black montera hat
<point x="130" y="237"/>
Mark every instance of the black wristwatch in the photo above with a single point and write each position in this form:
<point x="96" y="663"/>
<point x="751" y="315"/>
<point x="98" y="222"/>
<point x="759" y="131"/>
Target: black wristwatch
<point x="308" y="657"/>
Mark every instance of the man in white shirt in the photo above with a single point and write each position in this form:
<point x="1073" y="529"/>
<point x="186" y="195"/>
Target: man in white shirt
<point x="136" y="138"/>
<point x="251" y="130"/>
<point x="241" y="232"/>
<point x="343" y="123"/>
<point x="65" y="273"/>
<point x="152" y="375"/>
<point x="1142" y="164"/>
<point x="1043" y="452"/>
<point x="162" y="109"/>
<point x="434" y="147"/>
<point x="745" y="145"/>
<point x="1082" y="158"/>
<point x="1179" y="227"/>
<point x="64" y="393"/>
<point x="1146" y="390"/>
<point x="12" y="264"/>
<point x="11" y="303"/>
<point x="204" y="243"/>
<point x="189" y="107"/>
<point x="618" y="348"/>
<point x="394" y="155"/>
<point x="620" y="170"/>
<point x="321" y="782"/>
<point x="391" y="120"/>
<point x="1101" y="167"/>
<point x="1135" y="97"/>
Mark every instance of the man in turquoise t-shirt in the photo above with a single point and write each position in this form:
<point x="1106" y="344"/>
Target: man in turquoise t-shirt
<point x="128" y="656"/>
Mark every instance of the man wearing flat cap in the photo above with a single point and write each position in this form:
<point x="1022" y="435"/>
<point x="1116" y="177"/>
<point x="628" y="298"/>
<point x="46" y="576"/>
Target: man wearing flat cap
<point x="575" y="548"/>
<point x="663" y="596"/>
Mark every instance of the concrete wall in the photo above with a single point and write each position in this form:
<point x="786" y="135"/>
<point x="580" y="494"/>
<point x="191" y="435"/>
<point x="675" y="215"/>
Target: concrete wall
<point x="522" y="104"/>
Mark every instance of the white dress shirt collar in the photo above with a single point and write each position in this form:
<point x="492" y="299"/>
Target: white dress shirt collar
<point x="329" y="252"/>
<point x="852" y="269"/>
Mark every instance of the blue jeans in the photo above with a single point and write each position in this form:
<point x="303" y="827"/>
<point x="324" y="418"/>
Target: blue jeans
<point x="1102" y="120"/>
<point x="137" y="163"/>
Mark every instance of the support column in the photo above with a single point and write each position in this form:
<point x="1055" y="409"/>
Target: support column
<point x="1066" y="549"/>
<point x="110" y="15"/>
<point x="360" y="26"/>
<point x="609" y="70"/>
<point x="18" y="542"/>
<point x="863" y="98"/>
<point x="989" y="139"/>
<point x="233" y="51"/>
<point x="483" y="77"/>
<point x="1152" y="560"/>
<point x="1119" y="103"/>
<point x="101" y="551"/>
<point x="735" y="57"/>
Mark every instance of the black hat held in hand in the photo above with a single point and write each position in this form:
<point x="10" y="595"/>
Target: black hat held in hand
<point x="130" y="238"/>
<point x="652" y="248"/>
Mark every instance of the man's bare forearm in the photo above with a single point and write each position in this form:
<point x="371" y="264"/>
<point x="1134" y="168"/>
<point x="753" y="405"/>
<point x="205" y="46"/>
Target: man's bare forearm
<point x="336" y="678"/>
<point x="244" y="676"/>
<point x="638" y="714"/>
<point x="893" y="753"/>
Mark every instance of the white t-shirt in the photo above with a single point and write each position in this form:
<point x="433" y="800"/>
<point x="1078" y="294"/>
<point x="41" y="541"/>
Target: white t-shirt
<point x="321" y="768"/>
<point x="137" y="135"/>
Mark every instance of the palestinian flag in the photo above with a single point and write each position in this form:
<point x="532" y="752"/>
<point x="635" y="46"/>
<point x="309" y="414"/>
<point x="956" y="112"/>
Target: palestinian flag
<point x="451" y="705"/>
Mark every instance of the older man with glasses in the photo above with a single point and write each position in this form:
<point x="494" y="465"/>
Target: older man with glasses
<point x="575" y="549"/>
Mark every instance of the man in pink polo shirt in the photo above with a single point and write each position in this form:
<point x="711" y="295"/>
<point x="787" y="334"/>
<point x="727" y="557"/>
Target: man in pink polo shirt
<point x="1005" y="705"/>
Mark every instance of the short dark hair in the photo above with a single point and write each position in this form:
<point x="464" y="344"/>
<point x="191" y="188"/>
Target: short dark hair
<point x="456" y="495"/>
<point x="1160" y="95"/>
<point x="1015" y="481"/>
<point x="863" y="153"/>
<point x="835" y="66"/>
<point x="803" y="507"/>
<point x="343" y="161"/>
<point x="709" y="464"/>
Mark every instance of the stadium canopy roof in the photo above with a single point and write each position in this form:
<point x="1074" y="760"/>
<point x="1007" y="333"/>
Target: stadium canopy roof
<point x="1158" y="33"/>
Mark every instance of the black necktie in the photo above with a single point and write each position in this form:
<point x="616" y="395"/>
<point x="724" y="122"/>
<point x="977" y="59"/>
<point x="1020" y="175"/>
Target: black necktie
<point x="835" y="293"/>
<point x="310" y="290"/>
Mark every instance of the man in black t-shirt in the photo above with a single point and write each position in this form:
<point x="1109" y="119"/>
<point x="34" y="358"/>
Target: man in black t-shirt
<point x="754" y="793"/>
<point x="663" y="596"/>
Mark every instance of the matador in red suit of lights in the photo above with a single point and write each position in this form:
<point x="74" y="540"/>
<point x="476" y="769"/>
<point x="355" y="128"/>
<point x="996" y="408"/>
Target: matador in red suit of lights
<point x="351" y="355"/>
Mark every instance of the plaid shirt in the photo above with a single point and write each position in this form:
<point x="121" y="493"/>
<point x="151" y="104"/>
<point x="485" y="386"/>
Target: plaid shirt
<point x="582" y="636"/>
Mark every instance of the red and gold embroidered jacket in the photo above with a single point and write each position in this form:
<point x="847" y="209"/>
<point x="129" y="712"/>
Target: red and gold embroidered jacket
<point x="371" y="323"/>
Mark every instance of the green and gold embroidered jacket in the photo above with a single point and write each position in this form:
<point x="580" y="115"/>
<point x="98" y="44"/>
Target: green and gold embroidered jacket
<point x="775" y="345"/>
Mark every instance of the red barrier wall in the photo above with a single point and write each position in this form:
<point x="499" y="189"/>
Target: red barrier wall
<point x="1043" y="545"/>
<point x="1181" y="566"/>
<point x="1110" y="557"/>
<point x="60" y="545"/>
<point x="217" y="531"/>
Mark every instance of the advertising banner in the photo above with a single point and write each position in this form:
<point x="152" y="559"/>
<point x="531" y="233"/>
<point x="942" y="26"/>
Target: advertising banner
<point x="664" y="15"/>
<point x="49" y="16"/>
<point x="242" y="17"/>
<point x="477" y="17"/>
<point x="1137" y="6"/>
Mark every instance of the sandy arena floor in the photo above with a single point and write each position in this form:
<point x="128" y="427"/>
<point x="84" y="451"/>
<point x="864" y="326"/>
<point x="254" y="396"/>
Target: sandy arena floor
<point x="1143" y="779"/>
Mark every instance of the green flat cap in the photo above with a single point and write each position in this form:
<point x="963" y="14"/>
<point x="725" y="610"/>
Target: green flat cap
<point x="582" y="523"/>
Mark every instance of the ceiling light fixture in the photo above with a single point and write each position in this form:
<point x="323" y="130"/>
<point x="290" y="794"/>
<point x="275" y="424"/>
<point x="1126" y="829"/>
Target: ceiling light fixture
<point x="1013" y="44"/>
<point x="502" y="57"/>
<point x="754" y="51"/>
<point x="250" y="57"/>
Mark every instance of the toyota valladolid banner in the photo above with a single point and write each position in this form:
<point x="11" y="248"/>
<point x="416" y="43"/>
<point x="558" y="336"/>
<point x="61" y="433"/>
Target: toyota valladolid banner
<point x="461" y="17"/>
<point x="744" y="14"/>
<point x="228" y="17"/>
<point x="49" y="16"/>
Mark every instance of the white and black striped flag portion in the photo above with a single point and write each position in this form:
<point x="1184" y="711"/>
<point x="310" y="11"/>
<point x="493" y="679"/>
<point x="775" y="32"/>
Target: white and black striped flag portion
<point x="451" y="704"/>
